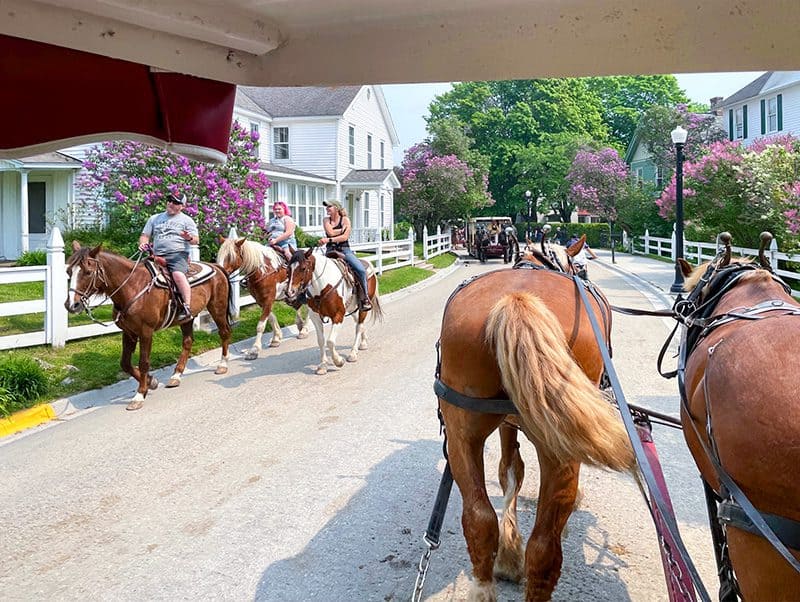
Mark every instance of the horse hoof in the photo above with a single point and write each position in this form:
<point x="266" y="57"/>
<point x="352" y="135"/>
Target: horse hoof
<point x="352" y="358"/>
<point x="173" y="382"/>
<point x="302" y="335"/>
<point x="153" y="385"/>
<point x="134" y="405"/>
<point x="222" y="369"/>
<point x="338" y="362"/>
<point x="363" y="346"/>
<point x="251" y="355"/>
<point x="321" y="370"/>
<point x="274" y="343"/>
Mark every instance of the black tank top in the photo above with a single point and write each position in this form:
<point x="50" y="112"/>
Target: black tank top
<point x="339" y="245"/>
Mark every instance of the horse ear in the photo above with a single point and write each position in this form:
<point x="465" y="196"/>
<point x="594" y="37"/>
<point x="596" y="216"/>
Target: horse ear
<point x="221" y="239"/>
<point x="576" y="247"/>
<point x="96" y="251"/>
<point x="240" y="242"/>
<point x="291" y="250"/>
<point x="76" y="246"/>
<point x="686" y="267"/>
<point x="309" y="251"/>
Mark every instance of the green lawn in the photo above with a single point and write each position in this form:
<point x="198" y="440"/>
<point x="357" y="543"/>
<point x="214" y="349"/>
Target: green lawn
<point x="97" y="358"/>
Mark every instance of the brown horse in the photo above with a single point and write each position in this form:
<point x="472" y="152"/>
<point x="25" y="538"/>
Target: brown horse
<point x="141" y="307"/>
<point x="524" y="334"/>
<point x="741" y="385"/>
<point x="266" y="277"/>
<point x="331" y="293"/>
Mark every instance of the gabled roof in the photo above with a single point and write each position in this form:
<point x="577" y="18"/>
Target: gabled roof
<point x="749" y="91"/>
<point x="243" y="101"/>
<point x="302" y="102"/>
<point x="371" y="176"/>
<point x="52" y="160"/>
<point x="288" y="171"/>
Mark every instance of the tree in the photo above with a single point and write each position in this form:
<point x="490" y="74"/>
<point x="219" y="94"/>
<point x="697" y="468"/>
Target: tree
<point x="596" y="180"/>
<point x="625" y="98"/>
<point x="437" y="188"/>
<point x="657" y="123"/>
<point x="131" y="179"/>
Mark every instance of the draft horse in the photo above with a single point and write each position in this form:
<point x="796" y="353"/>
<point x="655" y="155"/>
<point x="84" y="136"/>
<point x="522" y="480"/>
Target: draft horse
<point x="265" y="274"/>
<point x="142" y="306"/>
<point x="330" y="289"/>
<point x="524" y="335"/>
<point x="741" y="417"/>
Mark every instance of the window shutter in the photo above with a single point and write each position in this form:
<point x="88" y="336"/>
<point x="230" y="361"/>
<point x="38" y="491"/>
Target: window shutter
<point x="730" y="124"/>
<point x="744" y="122"/>
<point x="763" y="116"/>
<point x="780" y="112"/>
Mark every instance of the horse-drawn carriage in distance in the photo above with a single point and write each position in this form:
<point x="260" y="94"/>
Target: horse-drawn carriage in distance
<point x="489" y="237"/>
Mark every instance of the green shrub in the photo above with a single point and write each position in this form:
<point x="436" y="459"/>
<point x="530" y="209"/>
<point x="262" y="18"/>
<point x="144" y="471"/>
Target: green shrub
<point x="23" y="379"/>
<point x="6" y="402"/>
<point x="32" y="258"/>
<point x="401" y="230"/>
<point x="305" y="240"/>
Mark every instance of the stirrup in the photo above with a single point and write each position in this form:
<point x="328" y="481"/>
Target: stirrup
<point x="365" y="304"/>
<point x="184" y="314"/>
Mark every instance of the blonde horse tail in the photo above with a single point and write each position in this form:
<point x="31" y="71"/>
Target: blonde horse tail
<point x="562" y="410"/>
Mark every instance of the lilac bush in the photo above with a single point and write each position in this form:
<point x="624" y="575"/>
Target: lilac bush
<point x="597" y="180"/>
<point x="130" y="179"/>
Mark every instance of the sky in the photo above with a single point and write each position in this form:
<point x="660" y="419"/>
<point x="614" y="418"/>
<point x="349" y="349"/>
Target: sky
<point x="408" y="103"/>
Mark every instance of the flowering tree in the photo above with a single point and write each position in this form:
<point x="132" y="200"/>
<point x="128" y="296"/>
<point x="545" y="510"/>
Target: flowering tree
<point x="436" y="188"/>
<point x="742" y="190"/>
<point x="597" y="180"/>
<point x="131" y="179"/>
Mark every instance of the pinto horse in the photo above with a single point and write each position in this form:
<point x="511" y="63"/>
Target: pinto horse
<point x="142" y="306"/>
<point x="266" y="277"/>
<point x="524" y="335"/>
<point x="740" y="411"/>
<point x="331" y="293"/>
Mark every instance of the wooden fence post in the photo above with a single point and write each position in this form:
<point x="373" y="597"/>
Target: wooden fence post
<point x="425" y="242"/>
<point x="380" y="252"/>
<point x="646" y="241"/>
<point x="773" y="254"/>
<point x="411" y="244"/>
<point x="673" y="250"/>
<point x="55" y="291"/>
<point x="236" y="291"/>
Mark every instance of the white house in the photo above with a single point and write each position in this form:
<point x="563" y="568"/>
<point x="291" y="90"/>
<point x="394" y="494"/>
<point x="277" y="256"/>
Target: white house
<point x="321" y="143"/>
<point x="767" y="106"/>
<point x="35" y="193"/>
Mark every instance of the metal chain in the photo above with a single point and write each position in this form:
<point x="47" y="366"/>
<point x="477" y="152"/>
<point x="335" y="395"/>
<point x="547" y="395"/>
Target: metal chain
<point x="675" y="572"/>
<point x="422" y="572"/>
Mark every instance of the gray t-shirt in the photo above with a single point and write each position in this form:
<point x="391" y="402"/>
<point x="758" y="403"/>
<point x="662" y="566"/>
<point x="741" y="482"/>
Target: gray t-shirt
<point x="165" y="231"/>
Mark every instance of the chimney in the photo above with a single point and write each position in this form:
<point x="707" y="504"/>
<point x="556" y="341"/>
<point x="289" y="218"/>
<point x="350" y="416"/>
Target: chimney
<point x="715" y="102"/>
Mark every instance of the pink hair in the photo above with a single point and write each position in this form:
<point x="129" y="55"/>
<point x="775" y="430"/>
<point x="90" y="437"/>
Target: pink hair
<point x="284" y="205"/>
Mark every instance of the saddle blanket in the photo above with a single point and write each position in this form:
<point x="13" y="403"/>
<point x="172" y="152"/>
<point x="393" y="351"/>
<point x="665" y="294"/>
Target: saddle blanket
<point x="198" y="274"/>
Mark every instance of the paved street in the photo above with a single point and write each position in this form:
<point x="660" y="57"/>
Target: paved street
<point x="271" y="483"/>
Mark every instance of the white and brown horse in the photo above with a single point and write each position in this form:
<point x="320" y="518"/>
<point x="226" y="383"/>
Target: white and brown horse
<point x="265" y="274"/>
<point x="331" y="293"/>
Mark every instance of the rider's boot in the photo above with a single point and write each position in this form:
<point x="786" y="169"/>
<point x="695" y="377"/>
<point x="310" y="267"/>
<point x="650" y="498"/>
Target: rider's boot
<point x="364" y="303"/>
<point x="184" y="313"/>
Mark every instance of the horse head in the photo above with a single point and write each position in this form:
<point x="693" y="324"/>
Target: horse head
<point x="229" y="255"/>
<point x="300" y="272"/>
<point x="86" y="276"/>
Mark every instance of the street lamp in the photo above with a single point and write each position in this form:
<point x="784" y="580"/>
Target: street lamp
<point x="528" y="204"/>
<point x="678" y="139"/>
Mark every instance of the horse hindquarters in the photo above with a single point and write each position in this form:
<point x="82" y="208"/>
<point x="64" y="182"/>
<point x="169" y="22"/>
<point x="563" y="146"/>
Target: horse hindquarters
<point x="559" y="406"/>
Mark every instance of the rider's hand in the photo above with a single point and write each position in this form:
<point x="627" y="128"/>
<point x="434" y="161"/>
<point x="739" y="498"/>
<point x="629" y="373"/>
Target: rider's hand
<point x="144" y="247"/>
<point x="186" y="235"/>
<point x="322" y="241"/>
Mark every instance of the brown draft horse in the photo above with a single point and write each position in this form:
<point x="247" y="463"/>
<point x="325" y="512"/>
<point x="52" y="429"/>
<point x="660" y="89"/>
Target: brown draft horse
<point x="741" y="384"/>
<point x="332" y="295"/>
<point x="266" y="277"/>
<point x="140" y="308"/>
<point x="524" y="334"/>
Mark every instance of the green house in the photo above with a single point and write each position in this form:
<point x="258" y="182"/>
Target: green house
<point x="642" y="168"/>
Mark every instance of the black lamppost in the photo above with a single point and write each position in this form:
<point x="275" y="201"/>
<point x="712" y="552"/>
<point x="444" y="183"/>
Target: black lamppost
<point x="678" y="139"/>
<point x="529" y="207"/>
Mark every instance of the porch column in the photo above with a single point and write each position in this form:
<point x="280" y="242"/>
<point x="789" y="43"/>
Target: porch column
<point x="23" y="210"/>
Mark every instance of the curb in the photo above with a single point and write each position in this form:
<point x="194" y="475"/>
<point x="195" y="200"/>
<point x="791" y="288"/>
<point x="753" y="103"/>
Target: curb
<point x="65" y="407"/>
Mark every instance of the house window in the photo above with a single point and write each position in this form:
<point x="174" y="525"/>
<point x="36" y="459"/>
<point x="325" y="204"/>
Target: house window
<point x="738" y="118"/>
<point x="369" y="151"/>
<point x="639" y="177"/>
<point x="772" y="114"/>
<point x="366" y="210"/>
<point x="383" y="208"/>
<point x="291" y="197"/>
<point x="254" y="134"/>
<point x="352" y="144"/>
<point x="383" y="165"/>
<point x="659" y="177"/>
<point x="281" y="144"/>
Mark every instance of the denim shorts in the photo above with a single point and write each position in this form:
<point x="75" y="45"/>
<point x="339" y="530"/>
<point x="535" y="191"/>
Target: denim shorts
<point x="177" y="262"/>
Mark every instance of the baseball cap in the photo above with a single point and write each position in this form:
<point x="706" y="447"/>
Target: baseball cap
<point x="336" y="204"/>
<point x="177" y="200"/>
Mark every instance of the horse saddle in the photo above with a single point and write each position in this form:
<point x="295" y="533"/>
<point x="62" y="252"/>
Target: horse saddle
<point x="347" y="271"/>
<point x="198" y="274"/>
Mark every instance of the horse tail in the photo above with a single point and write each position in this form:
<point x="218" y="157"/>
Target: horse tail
<point x="231" y="311"/>
<point x="564" y="412"/>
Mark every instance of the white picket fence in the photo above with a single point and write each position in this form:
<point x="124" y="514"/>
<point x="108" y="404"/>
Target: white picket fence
<point x="698" y="252"/>
<point x="435" y="244"/>
<point x="384" y="255"/>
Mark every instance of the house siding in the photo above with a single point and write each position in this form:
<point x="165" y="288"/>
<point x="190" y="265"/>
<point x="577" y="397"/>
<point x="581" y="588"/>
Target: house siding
<point x="365" y="114"/>
<point x="785" y="84"/>
<point x="312" y="146"/>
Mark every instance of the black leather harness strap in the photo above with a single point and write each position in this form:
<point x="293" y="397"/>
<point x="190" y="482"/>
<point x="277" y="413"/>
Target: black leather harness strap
<point x="475" y="404"/>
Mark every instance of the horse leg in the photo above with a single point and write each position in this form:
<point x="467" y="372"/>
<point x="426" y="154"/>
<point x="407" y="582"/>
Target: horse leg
<point x="266" y="313"/>
<point x="301" y="323"/>
<point x="478" y="520"/>
<point x="337" y="359"/>
<point x="277" y="334"/>
<point x="186" y="348"/>
<point x="509" y="563"/>
<point x="145" y="344"/>
<point x="558" y="492"/>
<point x="225" y="331"/>
<point x="323" y="354"/>
<point x="360" y="341"/>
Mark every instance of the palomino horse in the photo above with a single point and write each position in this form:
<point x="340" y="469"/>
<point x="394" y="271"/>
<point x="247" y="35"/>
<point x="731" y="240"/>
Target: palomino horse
<point x="331" y="294"/>
<point x="524" y="335"/>
<point x="142" y="306"/>
<point x="740" y="411"/>
<point x="266" y="277"/>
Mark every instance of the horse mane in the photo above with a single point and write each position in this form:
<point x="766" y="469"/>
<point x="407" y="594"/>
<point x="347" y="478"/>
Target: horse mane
<point x="253" y="254"/>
